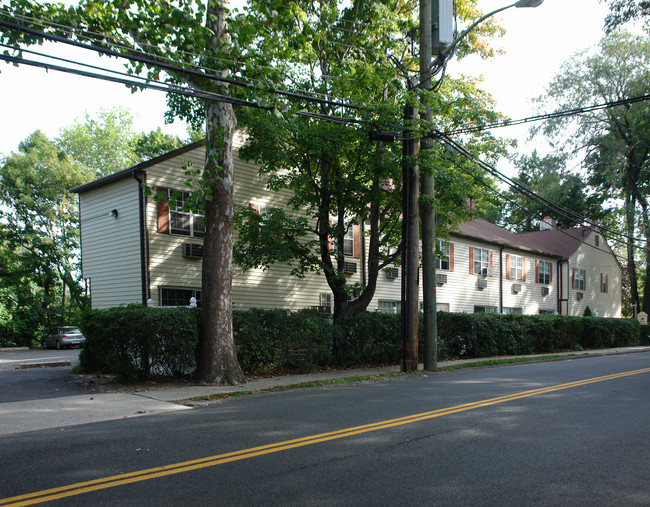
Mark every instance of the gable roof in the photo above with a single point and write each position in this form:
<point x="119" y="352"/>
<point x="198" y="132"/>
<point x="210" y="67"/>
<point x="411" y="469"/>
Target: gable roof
<point x="560" y="243"/>
<point x="138" y="168"/>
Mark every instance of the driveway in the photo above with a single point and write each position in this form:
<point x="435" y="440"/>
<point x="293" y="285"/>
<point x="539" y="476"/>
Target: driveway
<point x="37" y="381"/>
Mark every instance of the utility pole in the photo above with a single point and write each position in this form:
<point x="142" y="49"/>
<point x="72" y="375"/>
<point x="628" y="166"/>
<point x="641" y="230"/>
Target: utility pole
<point x="410" y="242"/>
<point x="427" y="212"/>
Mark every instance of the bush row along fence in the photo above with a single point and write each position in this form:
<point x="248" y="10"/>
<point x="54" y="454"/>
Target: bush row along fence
<point x="138" y="341"/>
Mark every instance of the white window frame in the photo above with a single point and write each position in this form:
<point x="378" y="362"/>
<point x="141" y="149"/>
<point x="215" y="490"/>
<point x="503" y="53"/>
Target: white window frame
<point x="516" y="267"/>
<point x="543" y="274"/>
<point x="443" y="260"/>
<point x="348" y="239"/>
<point x="511" y="311"/>
<point x="326" y="299"/>
<point x="481" y="260"/>
<point x="386" y="306"/>
<point x="579" y="278"/>
<point x="176" y="214"/>
<point x="192" y="292"/>
<point x="486" y="309"/>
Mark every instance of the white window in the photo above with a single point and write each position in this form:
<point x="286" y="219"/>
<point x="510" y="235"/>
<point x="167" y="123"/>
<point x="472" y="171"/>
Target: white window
<point x="544" y="274"/>
<point x="326" y="300"/>
<point x="440" y="307"/>
<point x="512" y="311"/>
<point x="442" y="259"/>
<point x="390" y="306"/>
<point x="187" y="223"/>
<point x="485" y="309"/>
<point x="516" y="267"/>
<point x="579" y="279"/>
<point x="481" y="261"/>
<point x="177" y="296"/>
<point x="348" y="239"/>
<point x="604" y="282"/>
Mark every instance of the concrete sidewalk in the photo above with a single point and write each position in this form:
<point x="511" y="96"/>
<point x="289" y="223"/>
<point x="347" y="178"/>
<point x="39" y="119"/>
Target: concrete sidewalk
<point x="62" y="413"/>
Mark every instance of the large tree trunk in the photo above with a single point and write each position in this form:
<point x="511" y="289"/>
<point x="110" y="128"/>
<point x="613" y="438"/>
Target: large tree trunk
<point x="217" y="358"/>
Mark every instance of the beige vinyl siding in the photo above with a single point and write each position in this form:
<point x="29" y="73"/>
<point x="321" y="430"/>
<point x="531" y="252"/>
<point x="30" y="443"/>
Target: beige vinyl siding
<point x="594" y="260"/>
<point x="111" y="246"/>
<point x="256" y="288"/>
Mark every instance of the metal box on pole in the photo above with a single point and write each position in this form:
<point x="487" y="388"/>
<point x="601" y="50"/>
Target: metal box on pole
<point x="442" y="25"/>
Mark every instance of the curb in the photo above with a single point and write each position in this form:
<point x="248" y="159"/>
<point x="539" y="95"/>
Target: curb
<point x="52" y="364"/>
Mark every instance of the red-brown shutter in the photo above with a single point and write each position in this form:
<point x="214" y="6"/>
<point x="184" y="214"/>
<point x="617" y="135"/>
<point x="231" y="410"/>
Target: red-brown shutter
<point x="471" y="260"/>
<point x="491" y="259"/>
<point x="163" y="213"/>
<point x="573" y="278"/>
<point x="256" y="208"/>
<point x="507" y="266"/>
<point x="523" y="263"/>
<point x="550" y="273"/>
<point x="357" y="241"/>
<point x="330" y="239"/>
<point x="536" y="271"/>
<point x="451" y="256"/>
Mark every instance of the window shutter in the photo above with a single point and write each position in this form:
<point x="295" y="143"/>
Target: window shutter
<point x="536" y="271"/>
<point x="256" y="208"/>
<point x="523" y="263"/>
<point x="163" y="213"/>
<point x="507" y="266"/>
<point x="451" y="256"/>
<point x="606" y="283"/>
<point x="550" y="273"/>
<point x="491" y="259"/>
<point x="330" y="239"/>
<point x="471" y="260"/>
<point x="357" y="241"/>
<point x="573" y="278"/>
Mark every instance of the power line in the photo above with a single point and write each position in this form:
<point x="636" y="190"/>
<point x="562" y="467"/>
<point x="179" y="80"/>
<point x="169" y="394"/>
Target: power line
<point x="627" y="240"/>
<point x="550" y="116"/>
<point x="168" y="67"/>
<point x="117" y="42"/>
<point x="531" y="213"/>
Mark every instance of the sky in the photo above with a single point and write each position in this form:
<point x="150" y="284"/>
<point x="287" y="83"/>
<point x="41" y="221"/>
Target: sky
<point x="537" y="42"/>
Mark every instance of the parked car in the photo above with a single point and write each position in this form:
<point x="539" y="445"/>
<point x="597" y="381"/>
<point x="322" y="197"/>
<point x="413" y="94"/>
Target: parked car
<point x="63" y="337"/>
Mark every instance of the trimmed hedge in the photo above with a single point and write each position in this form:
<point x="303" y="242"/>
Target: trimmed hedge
<point x="138" y="341"/>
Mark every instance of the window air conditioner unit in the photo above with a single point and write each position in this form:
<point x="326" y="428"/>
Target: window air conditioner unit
<point x="545" y="291"/>
<point x="482" y="284"/>
<point x="392" y="272"/>
<point x="192" y="251"/>
<point x="490" y="272"/>
<point x="350" y="268"/>
<point x="441" y="278"/>
<point x="580" y="295"/>
<point x="516" y="288"/>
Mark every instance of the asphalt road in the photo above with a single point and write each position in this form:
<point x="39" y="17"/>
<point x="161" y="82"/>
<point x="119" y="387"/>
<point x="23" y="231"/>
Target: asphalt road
<point x="573" y="432"/>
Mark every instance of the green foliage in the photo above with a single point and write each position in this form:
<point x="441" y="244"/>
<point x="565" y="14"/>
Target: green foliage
<point x="370" y="338"/>
<point x="138" y="342"/>
<point x="587" y="312"/>
<point x="280" y="339"/>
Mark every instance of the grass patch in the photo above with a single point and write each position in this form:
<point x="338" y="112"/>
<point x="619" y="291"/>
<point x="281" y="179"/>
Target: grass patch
<point x="492" y="362"/>
<point x="360" y="378"/>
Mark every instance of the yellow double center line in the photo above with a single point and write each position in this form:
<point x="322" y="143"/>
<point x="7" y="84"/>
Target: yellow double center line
<point x="220" y="459"/>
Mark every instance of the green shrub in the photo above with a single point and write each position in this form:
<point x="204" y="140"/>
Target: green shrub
<point x="137" y="342"/>
<point x="281" y="339"/>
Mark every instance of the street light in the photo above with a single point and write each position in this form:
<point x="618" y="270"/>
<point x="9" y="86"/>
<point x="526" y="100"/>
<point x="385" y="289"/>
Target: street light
<point x="446" y="53"/>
